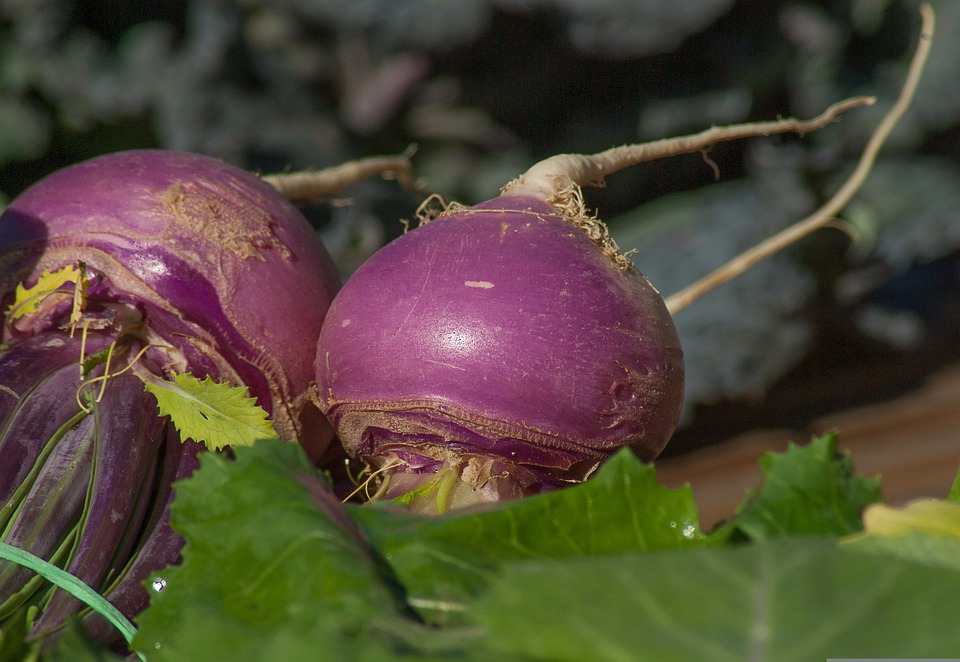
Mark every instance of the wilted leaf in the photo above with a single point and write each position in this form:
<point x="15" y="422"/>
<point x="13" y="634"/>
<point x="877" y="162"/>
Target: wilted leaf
<point x="932" y="516"/>
<point x="926" y="531"/>
<point x="27" y="300"/>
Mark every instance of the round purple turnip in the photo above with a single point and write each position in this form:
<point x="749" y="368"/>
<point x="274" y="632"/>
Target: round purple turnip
<point x="497" y="351"/>
<point x="508" y="348"/>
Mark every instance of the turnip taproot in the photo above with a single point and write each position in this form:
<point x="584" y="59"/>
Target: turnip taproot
<point x="145" y="263"/>
<point x="510" y="347"/>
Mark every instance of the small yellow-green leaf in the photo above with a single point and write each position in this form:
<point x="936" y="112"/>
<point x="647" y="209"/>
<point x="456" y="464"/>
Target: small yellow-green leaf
<point x="925" y="531"/>
<point x="28" y="299"/>
<point x="931" y="516"/>
<point x="213" y="413"/>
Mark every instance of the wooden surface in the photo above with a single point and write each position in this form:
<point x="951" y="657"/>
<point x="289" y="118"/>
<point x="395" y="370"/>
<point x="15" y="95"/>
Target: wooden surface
<point x="912" y="441"/>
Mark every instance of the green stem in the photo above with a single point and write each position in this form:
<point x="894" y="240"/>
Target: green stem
<point x="17" y="498"/>
<point x="73" y="586"/>
<point x="57" y="559"/>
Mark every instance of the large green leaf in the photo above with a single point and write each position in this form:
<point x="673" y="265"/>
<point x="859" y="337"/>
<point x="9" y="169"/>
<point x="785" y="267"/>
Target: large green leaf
<point x="444" y="561"/>
<point x="781" y="600"/>
<point x="808" y="489"/>
<point x="615" y="569"/>
<point x="272" y="570"/>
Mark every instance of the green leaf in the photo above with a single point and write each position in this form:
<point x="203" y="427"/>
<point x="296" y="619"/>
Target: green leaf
<point x="806" y="490"/>
<point x="614" y="569"/>
<point x="272" y="570"/>
<point x="785" y="600"/>
<point x="213" y="413"/>
<point x="94" y="360"/>
<point x="444" y="561"/>
<point x="955" y="489"/>
<point x="13" y="634"/>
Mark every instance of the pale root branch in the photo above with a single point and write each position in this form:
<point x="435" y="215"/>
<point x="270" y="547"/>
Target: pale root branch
<point x="313" y="185"/>
<point x="380" y="474"/>
<point x="825" y="215"/>
<point x="558" y="179"/>
<point x="558" y="172"/>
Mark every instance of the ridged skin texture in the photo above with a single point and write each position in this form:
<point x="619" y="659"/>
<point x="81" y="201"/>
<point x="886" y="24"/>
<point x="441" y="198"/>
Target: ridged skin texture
<point x="501" y="331"/>
<point x="225" y="269"/>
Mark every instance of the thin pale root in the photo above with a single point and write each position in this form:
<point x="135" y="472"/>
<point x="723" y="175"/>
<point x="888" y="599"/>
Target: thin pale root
<point x="558" y="172"/>
<point x="313" y="185"/>
<point x="825" y="215"/>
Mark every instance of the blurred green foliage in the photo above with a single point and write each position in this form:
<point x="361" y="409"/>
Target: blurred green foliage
<point x="487" y="87"/>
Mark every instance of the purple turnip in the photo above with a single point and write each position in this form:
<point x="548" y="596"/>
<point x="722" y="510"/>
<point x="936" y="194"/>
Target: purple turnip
<point x="226" y="274"/>
<point x="508" y="348"/>
<point x="498" y="351"/>
<point x="182" y="264"/>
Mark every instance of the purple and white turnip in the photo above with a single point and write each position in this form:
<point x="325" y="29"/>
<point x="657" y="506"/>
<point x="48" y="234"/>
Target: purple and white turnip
<point x="186" y="265"/>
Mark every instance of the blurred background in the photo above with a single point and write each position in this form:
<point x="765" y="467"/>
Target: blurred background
<point x="855" y="329"/>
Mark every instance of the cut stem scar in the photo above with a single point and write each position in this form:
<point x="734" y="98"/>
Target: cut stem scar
<point x="313" y="185"/>
<point x="826" y="214"/>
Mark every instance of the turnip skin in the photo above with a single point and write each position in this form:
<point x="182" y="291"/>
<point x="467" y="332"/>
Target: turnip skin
<point x="210" y="271"/>
<point x="499" y="340"/>
<point x="225" y="269"/>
